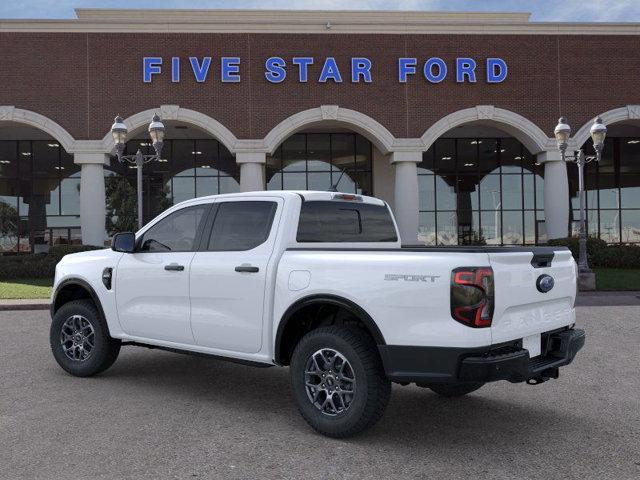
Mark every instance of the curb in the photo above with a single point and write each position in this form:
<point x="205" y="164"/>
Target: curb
<point x="6" y="307"/>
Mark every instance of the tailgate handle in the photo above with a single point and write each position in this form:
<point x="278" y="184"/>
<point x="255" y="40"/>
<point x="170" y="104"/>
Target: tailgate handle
<point x="542" y="260"/>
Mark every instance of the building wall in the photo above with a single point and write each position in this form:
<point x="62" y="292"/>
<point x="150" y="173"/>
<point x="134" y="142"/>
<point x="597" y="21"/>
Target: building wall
<point x="81" y="80"/>
<point x="69" y="78"/>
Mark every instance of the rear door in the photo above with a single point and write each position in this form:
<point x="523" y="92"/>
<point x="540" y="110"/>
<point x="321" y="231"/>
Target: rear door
<point x="522" y="310"/>
<point x="228" y="275"/>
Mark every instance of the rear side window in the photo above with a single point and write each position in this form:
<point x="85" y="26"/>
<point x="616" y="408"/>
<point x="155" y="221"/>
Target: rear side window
<point x="336" y="221"/>
<point x="241" y="225"/>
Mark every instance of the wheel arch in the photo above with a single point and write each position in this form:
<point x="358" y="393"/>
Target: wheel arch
<point x="74" y="289"/>
<point x="318" y="300"/>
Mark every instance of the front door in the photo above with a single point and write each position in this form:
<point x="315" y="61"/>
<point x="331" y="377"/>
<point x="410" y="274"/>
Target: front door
<point x="152" y="284"/>
<point x="228" y="277"/>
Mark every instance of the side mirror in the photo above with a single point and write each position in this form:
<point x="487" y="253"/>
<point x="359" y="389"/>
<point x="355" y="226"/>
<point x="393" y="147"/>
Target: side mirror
<point x="124" y="242"/>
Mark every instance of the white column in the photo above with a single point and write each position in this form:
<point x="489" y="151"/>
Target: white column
<point x="92" y="198"/>
<point x="406" y="199"/>
<point x="556" y="194"/>
<point x="251" y="170"/>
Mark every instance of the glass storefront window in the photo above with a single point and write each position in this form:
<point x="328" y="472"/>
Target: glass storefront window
<point x="318" y="161"/>
<point x="39" y="196"/>
<point x="189" y="168"/>
<point x="612" y="192"/>
<point x="479" y="191"/>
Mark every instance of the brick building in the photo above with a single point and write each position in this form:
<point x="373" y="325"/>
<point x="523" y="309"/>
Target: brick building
<point x="448" y="117"/>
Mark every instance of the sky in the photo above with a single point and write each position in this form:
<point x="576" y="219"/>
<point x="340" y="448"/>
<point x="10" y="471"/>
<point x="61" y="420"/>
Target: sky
<point x="542" y="10"/>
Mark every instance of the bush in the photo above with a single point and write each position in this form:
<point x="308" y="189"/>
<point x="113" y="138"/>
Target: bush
<point x="595" y="247"/>
<point x="41" y="265"/>
<point x="599" y="254"/>
<point x="619" y="256"/>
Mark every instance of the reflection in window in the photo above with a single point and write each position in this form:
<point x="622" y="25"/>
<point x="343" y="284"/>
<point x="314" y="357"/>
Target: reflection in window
<point x="480" y="191"/>
<point x="612" y="192"/>
<point x="39" y="196"/>
<point x="318" y="161"/>
<point x="176" y="232"/>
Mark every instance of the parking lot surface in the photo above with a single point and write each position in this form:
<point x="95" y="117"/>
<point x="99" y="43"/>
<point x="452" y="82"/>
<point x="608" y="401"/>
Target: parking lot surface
<point x="161" y="415"/>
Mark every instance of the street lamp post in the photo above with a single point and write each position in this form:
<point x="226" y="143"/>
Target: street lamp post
<point x="156" y="132"/>
<point x="598" y="133"/>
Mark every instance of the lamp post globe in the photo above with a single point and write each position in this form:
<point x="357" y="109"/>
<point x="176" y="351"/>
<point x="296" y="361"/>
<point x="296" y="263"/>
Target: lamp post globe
<point x="562" y="133"/>
<point x="598" y="133"/>
<point x="156" y="132"/>
<point x="119" y="133"/>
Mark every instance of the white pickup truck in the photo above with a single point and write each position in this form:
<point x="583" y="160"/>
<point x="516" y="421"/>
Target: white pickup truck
<point x="319" y="281"/>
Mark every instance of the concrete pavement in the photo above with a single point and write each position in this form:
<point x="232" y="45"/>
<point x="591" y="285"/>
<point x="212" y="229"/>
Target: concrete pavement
<point x="158" y="415"/>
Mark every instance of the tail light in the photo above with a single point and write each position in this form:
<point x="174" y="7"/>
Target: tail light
<point x="472" y="297"/>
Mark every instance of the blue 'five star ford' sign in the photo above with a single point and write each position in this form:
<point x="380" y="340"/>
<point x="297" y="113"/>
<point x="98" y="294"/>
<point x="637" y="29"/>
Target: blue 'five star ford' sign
<point x="305" y="69"/>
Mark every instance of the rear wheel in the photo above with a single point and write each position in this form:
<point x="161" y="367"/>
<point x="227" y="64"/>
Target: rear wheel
<point x="80" y="340"/>
<point x="338" y="381"/>
<point x="455" y="389"/>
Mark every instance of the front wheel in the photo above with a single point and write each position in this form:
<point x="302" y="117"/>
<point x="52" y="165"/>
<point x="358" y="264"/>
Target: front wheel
<point x="451" y="390"/>
<point x="80" y="340"/>
<point x="338" y="381"/>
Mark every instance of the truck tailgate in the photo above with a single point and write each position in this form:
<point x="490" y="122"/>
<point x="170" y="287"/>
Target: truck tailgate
<point x="521" y="310"/>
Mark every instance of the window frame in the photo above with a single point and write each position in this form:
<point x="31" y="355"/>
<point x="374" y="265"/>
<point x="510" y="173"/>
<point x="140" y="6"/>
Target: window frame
<point x="197" y="241"/>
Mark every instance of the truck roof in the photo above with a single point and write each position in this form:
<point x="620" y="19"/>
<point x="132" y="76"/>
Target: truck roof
<point x="305" y="194"/>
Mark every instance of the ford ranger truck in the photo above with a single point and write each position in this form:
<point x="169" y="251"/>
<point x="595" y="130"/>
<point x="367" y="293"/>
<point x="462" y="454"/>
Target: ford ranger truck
<point x="319" y="282"/>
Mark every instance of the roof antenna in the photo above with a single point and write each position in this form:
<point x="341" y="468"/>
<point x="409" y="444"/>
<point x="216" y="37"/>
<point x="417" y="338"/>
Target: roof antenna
<point x="334" y="187"/>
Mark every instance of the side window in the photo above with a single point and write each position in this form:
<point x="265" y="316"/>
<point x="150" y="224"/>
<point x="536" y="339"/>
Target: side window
<point x="176" y="232"/>
<point x="241" y="225"/>
<point x="335" y="221"/>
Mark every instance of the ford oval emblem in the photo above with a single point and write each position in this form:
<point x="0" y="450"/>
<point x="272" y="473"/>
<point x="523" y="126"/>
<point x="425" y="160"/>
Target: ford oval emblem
<point x="544" y="283"/>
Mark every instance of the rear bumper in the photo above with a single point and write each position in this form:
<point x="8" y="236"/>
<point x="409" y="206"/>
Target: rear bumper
<point x="508" y="361"/>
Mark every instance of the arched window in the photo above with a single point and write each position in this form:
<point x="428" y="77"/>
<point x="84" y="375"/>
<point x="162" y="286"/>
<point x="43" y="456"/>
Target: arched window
<point x="189" y="168"/>
<point x="318" y="161"/>
<point x="612" y="188"/>
<point x="480" y="191"/>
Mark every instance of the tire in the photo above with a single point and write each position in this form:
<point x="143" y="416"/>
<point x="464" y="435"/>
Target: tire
<point x="349" y="413"/>
<point x="451" y="390"/>
<point x="95" y="351"/>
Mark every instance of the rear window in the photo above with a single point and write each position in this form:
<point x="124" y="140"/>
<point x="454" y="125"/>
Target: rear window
<point x="336" y="221"/>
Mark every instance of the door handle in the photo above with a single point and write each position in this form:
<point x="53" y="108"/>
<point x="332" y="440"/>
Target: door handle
<point x="174" y="267"/>
<point x="247" y="268"/>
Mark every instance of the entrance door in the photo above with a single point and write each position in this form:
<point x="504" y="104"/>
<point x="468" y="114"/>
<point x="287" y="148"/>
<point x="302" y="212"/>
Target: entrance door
<point x="152" y="284"/>
<point x="228" y="277"/>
